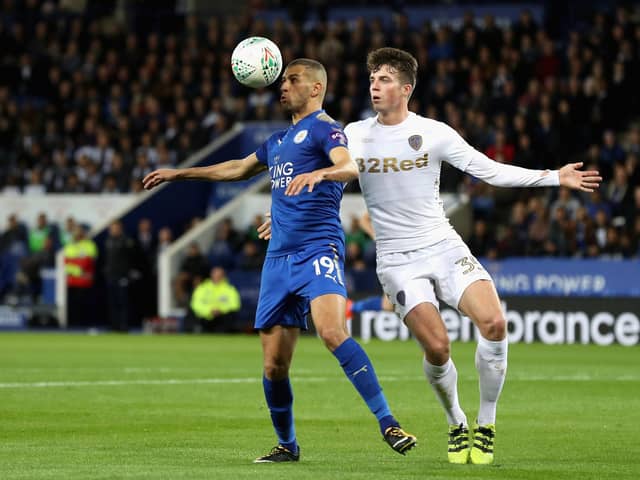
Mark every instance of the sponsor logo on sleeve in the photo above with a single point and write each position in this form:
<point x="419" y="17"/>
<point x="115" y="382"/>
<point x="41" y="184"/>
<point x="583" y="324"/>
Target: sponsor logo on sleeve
<point x="339" y="137"/>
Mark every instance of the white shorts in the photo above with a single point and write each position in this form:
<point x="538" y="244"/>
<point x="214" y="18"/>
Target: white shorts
<point x="440" y="272"/>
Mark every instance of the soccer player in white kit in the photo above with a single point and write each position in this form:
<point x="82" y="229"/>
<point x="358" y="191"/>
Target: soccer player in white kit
<point x="420" y="257"/>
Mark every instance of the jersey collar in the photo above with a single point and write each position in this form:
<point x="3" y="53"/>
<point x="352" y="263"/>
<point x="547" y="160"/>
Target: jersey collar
<point x="312" y="114"/>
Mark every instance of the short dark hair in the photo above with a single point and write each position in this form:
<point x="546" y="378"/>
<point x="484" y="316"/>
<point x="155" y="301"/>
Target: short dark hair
<point x="401" y="61"/>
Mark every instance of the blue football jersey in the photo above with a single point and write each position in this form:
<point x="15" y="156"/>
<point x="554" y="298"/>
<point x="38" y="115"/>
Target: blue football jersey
<point x="308" y="218"/>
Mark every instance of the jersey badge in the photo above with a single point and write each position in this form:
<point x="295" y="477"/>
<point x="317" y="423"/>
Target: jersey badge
<point x="415" y="141"/>
<point x="300" y="136"/>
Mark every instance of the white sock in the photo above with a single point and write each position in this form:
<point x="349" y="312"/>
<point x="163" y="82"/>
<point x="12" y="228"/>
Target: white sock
<point x="444" y="381"/>
<point x="491" y="363"/>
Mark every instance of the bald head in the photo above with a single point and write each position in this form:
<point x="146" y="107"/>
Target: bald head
<point x="315" y="71"/>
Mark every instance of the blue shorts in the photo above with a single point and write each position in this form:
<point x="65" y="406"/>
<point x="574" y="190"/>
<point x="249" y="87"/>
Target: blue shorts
<point x="290" y="282"/>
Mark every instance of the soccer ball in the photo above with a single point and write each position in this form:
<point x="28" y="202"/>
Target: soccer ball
<point x="256" y="62"/>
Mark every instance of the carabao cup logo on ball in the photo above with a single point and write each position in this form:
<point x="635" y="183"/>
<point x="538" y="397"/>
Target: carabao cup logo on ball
<point x="256" y="62"/>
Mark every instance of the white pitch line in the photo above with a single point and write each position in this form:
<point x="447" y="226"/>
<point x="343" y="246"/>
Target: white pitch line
<point x="118" y="383"/>
<point x="204" y="381"/>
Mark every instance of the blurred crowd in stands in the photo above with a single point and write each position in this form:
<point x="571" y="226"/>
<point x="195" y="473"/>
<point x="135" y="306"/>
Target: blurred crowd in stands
<point x="88" y="104"/>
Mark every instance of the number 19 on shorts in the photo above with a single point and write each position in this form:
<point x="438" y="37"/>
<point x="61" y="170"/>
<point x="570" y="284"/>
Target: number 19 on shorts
<point x="329" y="268"/>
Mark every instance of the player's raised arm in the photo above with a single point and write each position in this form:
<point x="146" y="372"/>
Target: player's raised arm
<point x="229" y="171"/>
<point x="344" y="169"/>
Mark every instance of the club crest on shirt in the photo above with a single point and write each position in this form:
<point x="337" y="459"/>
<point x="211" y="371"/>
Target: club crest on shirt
<point x="300" y="136"/>
<point x="415" y="141"/>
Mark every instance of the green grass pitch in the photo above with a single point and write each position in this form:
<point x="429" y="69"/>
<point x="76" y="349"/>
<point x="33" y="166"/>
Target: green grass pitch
<point x="191" y="407"/>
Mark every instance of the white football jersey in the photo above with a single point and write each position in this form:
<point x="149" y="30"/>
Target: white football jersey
<point x="400" y="177"/>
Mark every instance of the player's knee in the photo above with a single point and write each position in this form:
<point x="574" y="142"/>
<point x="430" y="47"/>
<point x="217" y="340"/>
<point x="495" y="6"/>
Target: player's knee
<point x="332" y="337"/>
<point x="276" y="370"/>
<point x="495" y="328"/>
<point x="439" y="351"/>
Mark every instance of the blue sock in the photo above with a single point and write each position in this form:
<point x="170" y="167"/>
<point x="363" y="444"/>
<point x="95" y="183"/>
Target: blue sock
<point x="369" y="303"/>
<point x="358" y="368"/>
<point x="280" y="402"/>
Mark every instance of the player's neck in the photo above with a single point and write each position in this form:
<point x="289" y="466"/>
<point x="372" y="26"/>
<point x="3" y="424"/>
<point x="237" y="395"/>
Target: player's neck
<point x="393" y="117"/>
<point x="308" y="109"/>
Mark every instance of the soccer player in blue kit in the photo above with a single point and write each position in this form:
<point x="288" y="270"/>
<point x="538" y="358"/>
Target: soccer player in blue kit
<point x="303" y="269"/>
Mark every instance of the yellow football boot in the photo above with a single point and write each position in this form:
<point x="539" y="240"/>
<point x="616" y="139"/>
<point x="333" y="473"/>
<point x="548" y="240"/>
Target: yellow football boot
<point x="482" y="448"/>
<point x="458" y="444"/>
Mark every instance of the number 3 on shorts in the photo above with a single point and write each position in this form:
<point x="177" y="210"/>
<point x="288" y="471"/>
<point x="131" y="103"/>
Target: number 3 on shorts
<point x="468" y="263"/>
<point x="329" y="268"/>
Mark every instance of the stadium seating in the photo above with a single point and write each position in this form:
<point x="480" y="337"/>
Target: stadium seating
<point x="90" y="105"/>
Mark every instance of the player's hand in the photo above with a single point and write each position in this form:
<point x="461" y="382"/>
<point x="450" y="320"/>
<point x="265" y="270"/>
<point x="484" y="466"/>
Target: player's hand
<point x="365" y="224"/>
<point x="305" y="179"/>
<point x="264" y="230"/>
<point x="157" y="177"/>
<point x="572" y="177"/>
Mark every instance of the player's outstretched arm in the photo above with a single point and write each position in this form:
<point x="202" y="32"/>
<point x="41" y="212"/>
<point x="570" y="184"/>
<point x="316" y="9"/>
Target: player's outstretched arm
<point x="344" y="169"/>
<point x="572" y="177"/>
<point x="502" y="175"/>
<point x="463" y="156"/>
<point x="229" y="171"/>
